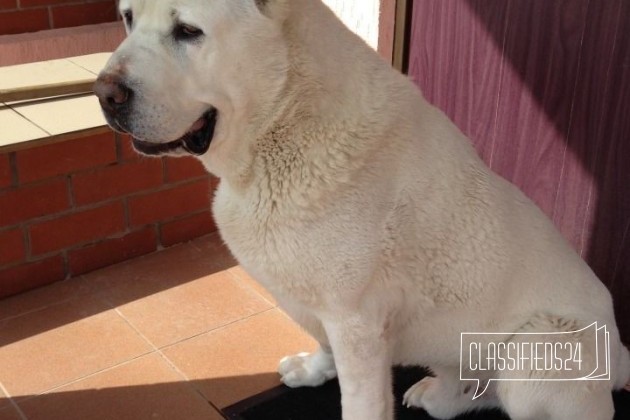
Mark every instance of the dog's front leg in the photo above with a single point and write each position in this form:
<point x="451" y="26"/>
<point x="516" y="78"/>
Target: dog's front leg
<point x="363" y="359"/>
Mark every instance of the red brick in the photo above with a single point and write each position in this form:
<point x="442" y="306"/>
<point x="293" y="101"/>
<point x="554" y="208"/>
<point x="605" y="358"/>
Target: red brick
<point x="65" y="157"/>
<point x="77" y="228"/>
<point x="170" y="203"/>
<point x="31" y="275"/>
<point x="33" y="3"/>
<point x="21" y="21"/>
<point x="188" y="228"/>
<point x="29" y="202"/>
<point x="83" y="14"/>
<point x="5" y="171"/>
<point x="179" y="169"/>
<point x="127" y="152"/>
<point x="8" y="4"/>
<point x="117" y="180"/>
<point x="113" y="251"/>
<point x="12" y="247"/>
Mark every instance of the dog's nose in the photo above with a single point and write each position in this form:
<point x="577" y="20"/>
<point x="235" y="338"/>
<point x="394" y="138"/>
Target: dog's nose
<point x="112" y="93"/>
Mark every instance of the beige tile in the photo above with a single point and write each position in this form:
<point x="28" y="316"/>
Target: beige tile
<point x="42" y="73"/>
<point x="145" y="388"/>
<point x="192" y="308"/>
<point x="63" y="116"/>
<point x="93" y="63"/>
<point x="249" y="281"/>
<point x="43" y="297"/>
<point x="14" y="128"/>
<point x="240" y="360"/>
<point x="62" y="343"/>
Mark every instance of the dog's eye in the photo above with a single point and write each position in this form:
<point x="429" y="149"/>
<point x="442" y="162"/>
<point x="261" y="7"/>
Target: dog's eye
<point x="128" y="16"/>
<point x="185" y="32"/>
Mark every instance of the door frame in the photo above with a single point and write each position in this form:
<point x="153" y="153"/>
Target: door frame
<point x="394" y="23"/>
<point x="402" y="32"/>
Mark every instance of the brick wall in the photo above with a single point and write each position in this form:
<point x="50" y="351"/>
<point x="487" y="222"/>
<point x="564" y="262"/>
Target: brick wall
<point x="75" y="206"/>
<point x="19" y="16"/>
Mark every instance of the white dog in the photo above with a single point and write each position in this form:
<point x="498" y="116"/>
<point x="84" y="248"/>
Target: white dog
<point x="361" y="207"/>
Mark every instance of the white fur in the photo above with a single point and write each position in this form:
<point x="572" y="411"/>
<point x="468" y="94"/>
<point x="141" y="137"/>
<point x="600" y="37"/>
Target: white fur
<point x="306" y="369"/>
<point x="362" y="208"/>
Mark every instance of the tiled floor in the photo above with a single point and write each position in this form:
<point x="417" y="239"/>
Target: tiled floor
<point x="179" y="334"/>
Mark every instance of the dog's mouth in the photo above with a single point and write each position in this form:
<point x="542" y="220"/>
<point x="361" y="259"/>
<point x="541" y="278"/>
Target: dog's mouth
<point x="196" y="141"/>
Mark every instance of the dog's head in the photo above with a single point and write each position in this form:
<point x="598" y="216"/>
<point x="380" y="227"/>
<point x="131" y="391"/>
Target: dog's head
<point x="192" y="72"/>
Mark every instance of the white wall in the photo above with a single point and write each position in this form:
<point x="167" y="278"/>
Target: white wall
<point x="359" y="15"/>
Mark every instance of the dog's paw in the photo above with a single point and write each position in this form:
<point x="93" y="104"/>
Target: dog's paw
<point x="306" y="369"/>
<point x="413" y="396"/>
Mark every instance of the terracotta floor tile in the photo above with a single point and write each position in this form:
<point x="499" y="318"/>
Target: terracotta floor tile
<point x="43" y="297"/>
<point x="144" y="276"/>
<point x="178" y="293"/>
<point x="141" y="389"/>
<point x="211" y="245"/>
<point x="9" y="413"/>
<point x="62" y="343"/>
<point x="193" y="308"/>
<point x="240" y="360"/>
<point x="215" y="251"/>
<point x="4" y="400"/>
<point x="249" y="281"/>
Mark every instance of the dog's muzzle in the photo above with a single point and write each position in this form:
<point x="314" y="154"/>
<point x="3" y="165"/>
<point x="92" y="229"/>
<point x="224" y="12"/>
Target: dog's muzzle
<point x="115" y="98"/>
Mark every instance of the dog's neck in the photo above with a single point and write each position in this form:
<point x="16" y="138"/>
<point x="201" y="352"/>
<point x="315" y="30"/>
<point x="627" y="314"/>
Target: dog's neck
<point x="330" y="99"/>
<point x="329" y="66"/>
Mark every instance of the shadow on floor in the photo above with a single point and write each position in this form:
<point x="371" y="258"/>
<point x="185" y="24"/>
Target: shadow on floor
<point x="115" y="286"/>
<point x="189" y="400"/>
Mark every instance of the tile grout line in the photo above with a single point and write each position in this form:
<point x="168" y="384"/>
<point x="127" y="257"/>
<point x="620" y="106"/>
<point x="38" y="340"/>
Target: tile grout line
<point x="242" y="283"/>
<point x="73" y="381"/>
<point x="219" y="328"/>
<point x="14" y="404"/>
<point x="168" y="362"/>
<point x="80" y="66"/>
<point x="98" y="372"/>
<point x="71" y="296"/>
<point x="154" y="348"/>
<point x="38" y="309"/>
<point x="12" y="108"/>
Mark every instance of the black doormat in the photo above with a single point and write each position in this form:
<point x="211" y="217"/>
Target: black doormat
<point x="324" y="403"/>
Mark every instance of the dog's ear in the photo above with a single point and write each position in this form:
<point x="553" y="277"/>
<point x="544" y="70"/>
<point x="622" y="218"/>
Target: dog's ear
<point x="275" y="9"/>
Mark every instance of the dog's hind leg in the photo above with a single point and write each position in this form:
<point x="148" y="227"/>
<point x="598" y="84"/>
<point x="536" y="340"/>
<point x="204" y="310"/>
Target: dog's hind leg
<point x="575" y="400"/>
<point x="308" y="369"/>
<point x="445" y="396"/>
<point x="556" y="391"/>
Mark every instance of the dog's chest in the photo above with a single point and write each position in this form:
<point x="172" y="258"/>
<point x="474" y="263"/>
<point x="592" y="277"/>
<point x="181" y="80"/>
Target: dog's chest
<point x="278" y="251"/>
